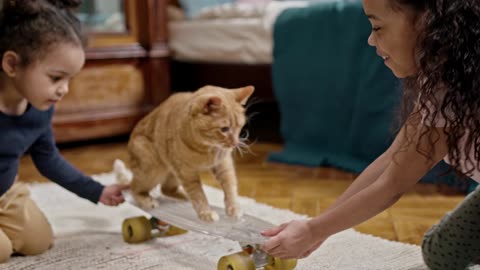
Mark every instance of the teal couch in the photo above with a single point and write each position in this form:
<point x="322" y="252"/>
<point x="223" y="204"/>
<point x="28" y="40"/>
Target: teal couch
<point x="336" y="97"/>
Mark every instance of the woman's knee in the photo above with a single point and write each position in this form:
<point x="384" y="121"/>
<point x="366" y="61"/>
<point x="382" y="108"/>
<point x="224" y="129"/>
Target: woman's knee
<point x="429" y="251"/>
<point x="444" y="248"/>
<point x="436" y="251"/>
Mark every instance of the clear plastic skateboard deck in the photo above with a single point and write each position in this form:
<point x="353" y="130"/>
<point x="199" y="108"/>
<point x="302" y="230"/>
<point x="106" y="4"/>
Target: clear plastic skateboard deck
<point x="179" y="213"/>
<point x="174" y="216"/>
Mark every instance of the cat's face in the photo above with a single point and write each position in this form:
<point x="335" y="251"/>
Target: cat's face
<point x="218" y="115"/>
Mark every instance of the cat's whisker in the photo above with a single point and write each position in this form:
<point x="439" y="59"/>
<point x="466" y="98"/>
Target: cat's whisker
<point x="245" y="144"/>
<point x="252" y="101"/>
<point x="243" y="147"/>
<point x="251" y="115"/>
<point x="243" y="139"/>
<point x="239" y="150"/>
<point x="246" y="149"/>
<point x="244" y="135"/>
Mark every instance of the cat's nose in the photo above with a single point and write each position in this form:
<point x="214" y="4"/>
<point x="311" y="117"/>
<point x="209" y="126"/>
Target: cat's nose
<point x="234" y="142"/>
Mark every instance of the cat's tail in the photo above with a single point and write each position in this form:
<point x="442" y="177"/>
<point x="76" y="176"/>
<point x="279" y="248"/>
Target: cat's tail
<point x="122" y="174"/>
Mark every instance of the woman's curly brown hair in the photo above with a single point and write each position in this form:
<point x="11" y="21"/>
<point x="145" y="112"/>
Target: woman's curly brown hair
<point x="447" y="82"/>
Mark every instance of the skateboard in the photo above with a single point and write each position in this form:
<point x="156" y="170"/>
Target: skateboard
<point x="174" y="217"/>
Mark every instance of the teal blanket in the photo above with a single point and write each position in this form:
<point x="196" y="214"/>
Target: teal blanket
<point x="337" y="99"/>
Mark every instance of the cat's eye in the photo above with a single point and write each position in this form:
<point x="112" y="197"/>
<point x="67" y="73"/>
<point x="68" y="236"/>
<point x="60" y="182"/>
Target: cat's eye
<point x="224" y="129"/>
<point x="55" y="79"/>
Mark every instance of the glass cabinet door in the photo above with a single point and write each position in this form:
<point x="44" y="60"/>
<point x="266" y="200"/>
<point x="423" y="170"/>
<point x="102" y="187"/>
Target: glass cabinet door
<point x="103" y="16"/>
<point x="110" y="22"/>
<point x="107" y="16"/>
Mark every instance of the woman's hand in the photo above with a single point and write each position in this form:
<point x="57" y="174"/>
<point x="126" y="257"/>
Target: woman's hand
<point x="294" y="239"/>
<point x="112" y="195"/>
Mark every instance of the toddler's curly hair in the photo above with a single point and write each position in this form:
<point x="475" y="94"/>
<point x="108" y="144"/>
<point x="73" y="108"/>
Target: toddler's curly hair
<point x="31" y="27"/>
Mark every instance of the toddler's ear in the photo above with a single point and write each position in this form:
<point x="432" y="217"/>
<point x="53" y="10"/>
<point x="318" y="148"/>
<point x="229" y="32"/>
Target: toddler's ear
<point x="242" y="94"/>
<point x="10" y="63"/>
<point x="206" y="104"/>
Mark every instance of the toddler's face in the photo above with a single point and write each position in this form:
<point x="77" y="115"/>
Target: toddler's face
<point x="394" y="36"/>
<point x="45" y="81"/>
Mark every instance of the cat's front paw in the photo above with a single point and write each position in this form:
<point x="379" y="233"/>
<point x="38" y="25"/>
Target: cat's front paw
<point x="234" y="211"/>
<point x="208" y="216"/>
<point x="146" y="203"/>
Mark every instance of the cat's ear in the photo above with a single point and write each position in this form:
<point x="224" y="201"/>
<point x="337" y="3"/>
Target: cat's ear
<point x="207" y="104"/>
<point x="242" y="94"/>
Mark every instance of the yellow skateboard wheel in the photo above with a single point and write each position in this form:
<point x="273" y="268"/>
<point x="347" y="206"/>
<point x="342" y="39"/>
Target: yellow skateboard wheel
<point x="236" y="261"/>
<point x="136" y="229"/>
<point x="281" y="264"/>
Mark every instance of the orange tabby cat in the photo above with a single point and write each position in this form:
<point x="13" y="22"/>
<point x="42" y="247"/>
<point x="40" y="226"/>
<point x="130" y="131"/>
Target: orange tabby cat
<point x="189" y="133"/>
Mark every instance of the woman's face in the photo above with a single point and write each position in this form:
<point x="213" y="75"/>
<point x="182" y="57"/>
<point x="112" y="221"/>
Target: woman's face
<point x="394" y="35"/>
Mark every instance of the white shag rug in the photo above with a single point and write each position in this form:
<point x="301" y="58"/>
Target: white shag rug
<point x="89" y="237"/>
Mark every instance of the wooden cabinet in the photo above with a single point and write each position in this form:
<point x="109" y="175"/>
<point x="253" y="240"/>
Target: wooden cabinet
<point x="126" y="73"/>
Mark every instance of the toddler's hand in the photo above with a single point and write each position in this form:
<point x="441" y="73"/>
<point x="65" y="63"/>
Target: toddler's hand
<point x="112" y="195"/>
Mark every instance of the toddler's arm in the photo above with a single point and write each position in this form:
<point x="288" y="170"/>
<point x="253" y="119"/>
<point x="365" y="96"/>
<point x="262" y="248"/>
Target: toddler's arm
<point x="52" y="165"/>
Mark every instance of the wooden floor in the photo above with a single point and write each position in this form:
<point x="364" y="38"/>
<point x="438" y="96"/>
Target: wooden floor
<point x="302" y="190"/>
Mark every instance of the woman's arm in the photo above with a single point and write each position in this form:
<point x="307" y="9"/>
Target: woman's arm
<point x="371" y="173"/>
<point x="367" y="177"/>
<point x="405" y="168"/>
<point x="364" y="200"/>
